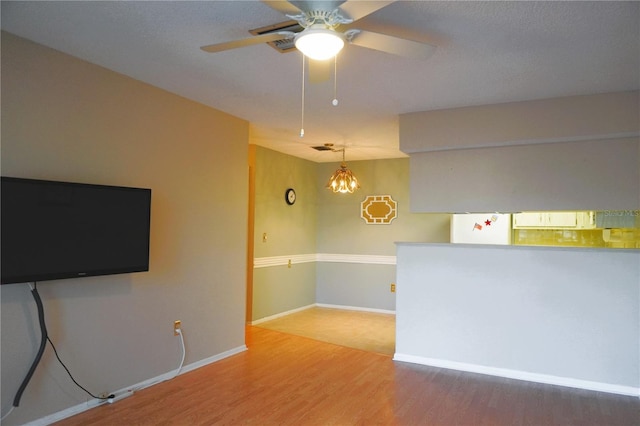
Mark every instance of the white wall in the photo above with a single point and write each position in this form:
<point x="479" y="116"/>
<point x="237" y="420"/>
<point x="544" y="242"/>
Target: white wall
<point x="586" y="175"/>
<point x="564" y="316"/>
<point x="572" y="118"/>
<point x="575" y="153"/>
<point x="568" y="316"/>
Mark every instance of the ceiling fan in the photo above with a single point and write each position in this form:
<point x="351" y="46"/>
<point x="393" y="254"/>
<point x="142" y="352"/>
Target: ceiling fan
<point x="322" y="25"/>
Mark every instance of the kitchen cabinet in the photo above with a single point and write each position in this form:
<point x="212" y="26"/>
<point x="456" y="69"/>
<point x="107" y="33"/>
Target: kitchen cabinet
<point x="545" y="220"/>
<point x="527" y="220"/>
<point x="586" y="220"/>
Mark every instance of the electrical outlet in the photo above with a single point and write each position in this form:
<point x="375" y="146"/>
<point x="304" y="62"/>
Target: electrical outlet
<point x="393" y="288"/>
<point x="176" y="326"/>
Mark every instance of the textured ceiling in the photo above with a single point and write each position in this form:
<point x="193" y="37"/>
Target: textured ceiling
<point x="488" y="52"/>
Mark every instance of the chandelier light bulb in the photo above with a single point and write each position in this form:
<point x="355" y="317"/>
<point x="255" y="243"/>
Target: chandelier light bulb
<point x="319" y="43"/>
<point x="343" y="181"/>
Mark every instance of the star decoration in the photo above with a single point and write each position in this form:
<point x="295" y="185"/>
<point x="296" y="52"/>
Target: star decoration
<point x="487" y="222"/>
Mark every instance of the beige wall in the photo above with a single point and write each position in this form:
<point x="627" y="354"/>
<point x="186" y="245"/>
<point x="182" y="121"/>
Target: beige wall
<point x="342" y="231"/>
<point x="65" y="119"/>
<point x="291" y="232"/>
<point x="291" y="229"/>
<point x="329" y="225"/>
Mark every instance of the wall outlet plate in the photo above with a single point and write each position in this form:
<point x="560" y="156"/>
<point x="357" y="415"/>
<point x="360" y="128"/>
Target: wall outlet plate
<point x="176" y="326"/>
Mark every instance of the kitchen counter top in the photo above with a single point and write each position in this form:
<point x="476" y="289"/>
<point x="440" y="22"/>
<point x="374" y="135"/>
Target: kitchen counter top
<point x="520" y="247"/>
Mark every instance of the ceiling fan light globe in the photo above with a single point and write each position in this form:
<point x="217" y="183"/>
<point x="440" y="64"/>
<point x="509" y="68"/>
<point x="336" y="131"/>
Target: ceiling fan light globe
<point x="319" y="43"/>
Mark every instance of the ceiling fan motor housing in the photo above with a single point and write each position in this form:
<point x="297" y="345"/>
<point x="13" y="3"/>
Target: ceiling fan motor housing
<point x="329" y="20"/>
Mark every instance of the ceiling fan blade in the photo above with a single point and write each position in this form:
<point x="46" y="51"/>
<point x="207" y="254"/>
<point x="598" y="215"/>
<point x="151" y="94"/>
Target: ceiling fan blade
<point x="320" y="71"/>
<point x="264" y="38"/>
<point x="359" y="9"/>
<point x="282" y="6"/>
<point x="393" y="45"/>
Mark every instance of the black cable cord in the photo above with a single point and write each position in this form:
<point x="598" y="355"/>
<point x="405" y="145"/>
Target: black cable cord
<point x="43" y="344"/>
<point x="69" y="373"/>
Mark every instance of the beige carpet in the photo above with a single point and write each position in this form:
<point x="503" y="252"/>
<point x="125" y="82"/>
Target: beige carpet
<point x="368" y="331"/>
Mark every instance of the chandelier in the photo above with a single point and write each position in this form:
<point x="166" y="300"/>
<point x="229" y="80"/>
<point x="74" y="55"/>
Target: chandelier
<point x="343" y="180"/>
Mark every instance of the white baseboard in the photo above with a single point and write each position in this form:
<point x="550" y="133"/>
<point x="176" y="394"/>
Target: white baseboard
<point x="130" y="390"/>
<point x="281" y="314"/>
<point x="520" y="375"/>
<point x="321" y="305"/>
<point x="212" y="359"/>
<point x="355" y="308"/>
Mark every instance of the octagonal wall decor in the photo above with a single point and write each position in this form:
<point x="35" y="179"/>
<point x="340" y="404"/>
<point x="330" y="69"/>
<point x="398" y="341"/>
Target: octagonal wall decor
<point x="378" y="209"/>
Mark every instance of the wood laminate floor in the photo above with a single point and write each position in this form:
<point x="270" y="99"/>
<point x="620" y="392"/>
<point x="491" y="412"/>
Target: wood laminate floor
<point x="285" y="379"/>
<point x="369" y="331"/>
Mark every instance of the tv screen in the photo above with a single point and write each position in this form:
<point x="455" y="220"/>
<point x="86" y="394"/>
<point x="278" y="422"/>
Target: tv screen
<point x="53" y="230"/>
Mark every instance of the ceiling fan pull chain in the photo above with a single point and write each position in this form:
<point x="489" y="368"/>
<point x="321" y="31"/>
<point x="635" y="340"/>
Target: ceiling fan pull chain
<point x="302" y="115"/>
<point x="334" y="102"/>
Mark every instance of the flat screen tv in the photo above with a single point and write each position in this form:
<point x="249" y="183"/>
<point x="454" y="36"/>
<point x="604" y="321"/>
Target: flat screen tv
<point x="54" y="230"/>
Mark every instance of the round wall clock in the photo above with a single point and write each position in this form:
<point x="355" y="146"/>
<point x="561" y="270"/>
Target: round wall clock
<point x="290" y="196"/>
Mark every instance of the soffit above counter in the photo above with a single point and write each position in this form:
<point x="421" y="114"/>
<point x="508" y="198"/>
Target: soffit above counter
<point x="567" y="119"/>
